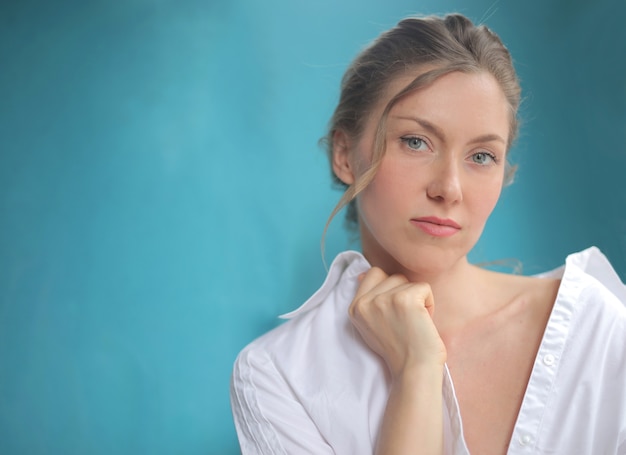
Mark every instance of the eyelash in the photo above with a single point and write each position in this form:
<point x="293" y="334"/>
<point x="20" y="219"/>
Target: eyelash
<point x="493" y="157"/>
<point x="407" y="139"/>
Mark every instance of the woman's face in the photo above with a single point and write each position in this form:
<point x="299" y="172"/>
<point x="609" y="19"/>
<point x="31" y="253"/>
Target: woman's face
<point x="441" y="175"/>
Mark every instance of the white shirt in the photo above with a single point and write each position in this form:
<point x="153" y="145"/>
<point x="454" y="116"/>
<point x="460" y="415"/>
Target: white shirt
<point x="312" y="386"/>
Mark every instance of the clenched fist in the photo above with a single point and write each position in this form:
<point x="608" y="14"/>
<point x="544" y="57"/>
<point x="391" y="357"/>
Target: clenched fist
<point x="394" y="317"/>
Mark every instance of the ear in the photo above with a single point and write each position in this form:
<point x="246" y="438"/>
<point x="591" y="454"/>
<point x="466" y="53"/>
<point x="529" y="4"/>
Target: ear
<point x="341" y="157"/>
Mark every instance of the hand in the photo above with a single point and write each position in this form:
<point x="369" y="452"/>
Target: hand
<point x="394" y="317"/>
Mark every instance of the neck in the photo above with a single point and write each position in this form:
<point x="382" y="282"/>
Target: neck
<point x="456" y="287"/>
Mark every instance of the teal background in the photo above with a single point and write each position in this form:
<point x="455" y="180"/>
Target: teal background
<point x="162" y="195"/>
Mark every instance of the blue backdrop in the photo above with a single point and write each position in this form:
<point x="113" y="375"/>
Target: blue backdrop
<point x="162" y="195"/>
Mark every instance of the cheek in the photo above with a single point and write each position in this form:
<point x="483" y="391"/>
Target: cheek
<point x="391" y="195"/>
<point x="390" y="183"/>
<point x="486" y="198"/>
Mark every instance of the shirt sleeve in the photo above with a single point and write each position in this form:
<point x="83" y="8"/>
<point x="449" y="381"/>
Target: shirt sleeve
<point x="621" y="449"/>
<point x="268" y="416"/>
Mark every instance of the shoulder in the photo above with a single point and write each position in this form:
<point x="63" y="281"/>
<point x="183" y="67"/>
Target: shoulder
<point x="589" y="273"/>
<point x="592" y="287"/>
<point x="520" y="296"/>
<point x="305" y="370"/>
<point x="317" y="334"/>
<point x="585" y="280"/>
<point x="581" y="362"/>
<point x="590" y="311"/>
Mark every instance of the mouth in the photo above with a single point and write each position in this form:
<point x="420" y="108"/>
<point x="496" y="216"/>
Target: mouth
<point x="437" y="227"/>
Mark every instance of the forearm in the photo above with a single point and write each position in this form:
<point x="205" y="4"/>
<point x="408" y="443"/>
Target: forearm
<point x="413" y="420"/>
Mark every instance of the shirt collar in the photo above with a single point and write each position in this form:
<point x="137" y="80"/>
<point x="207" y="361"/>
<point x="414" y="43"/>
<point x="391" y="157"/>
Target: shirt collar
<point x="352" y="263"/>
<point x="592" y="262"/>
<point x="346" y="265"/>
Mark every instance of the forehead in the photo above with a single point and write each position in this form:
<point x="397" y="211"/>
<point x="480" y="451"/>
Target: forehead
<point x="477" y="94"/>
<point x="479" y="87"/>
<point x="398" y="83"/>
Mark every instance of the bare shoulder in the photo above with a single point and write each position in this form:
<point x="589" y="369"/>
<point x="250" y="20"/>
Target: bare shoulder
<point x="514" y="297"/>
<point x="529" y="296"/>
<point x="536" y="286"/>
<point x="533" y="292"/>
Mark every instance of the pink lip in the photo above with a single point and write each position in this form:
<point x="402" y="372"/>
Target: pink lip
<point x="436" y="227"/>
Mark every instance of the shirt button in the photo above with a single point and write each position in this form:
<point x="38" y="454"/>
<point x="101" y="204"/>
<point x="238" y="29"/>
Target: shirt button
<point x="525" y="440"/>
<point x="548" y="360"/>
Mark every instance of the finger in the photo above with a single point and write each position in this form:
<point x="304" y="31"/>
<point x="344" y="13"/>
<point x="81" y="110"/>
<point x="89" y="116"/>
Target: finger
<point x="409" y="294"/>
<point x="429" y="299"/>
<point x="389" y="283"/>
<point x="370" y="279"/>
<point x="418" y="292"/>
<point x="374" y="284"/>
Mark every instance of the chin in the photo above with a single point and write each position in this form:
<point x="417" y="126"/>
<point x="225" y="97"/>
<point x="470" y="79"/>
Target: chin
<point x="415" y="256"/>
<point x="425" y="261"/>
<point x="430" y="266"/>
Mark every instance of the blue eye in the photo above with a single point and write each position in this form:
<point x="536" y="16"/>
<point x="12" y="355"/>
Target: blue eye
<point x="415" y="143"/>
<point x="483" y="158"/>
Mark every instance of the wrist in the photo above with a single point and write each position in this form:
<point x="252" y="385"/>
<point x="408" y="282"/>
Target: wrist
<point x="419" y="374"/>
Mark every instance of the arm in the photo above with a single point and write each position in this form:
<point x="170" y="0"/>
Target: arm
<point x="413" y="417"/>
<point x="395" y="319"/>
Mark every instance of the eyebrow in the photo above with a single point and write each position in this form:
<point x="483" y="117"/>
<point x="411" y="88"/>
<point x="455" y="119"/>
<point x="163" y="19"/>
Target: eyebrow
<point x="438" y="132"/>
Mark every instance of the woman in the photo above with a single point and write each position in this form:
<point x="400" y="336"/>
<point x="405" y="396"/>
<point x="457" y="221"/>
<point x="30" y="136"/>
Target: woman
<point x="408" y="348"/>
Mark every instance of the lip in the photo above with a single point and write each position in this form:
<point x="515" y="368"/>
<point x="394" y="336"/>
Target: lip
<point x="437" y="227"/>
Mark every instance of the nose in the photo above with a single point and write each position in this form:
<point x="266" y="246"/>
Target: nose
<point x="445" y="183"/>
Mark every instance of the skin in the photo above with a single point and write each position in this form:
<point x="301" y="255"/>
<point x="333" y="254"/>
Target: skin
<point x="445" y="157"/>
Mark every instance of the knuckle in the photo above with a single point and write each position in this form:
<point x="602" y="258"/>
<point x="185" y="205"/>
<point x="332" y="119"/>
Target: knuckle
<point x="356" y="308"/>
<point x="425" y="287"/>
<point x="421" y="290"/>
<point x="352" y="311"/>
<point x="377" y="272"/>
<point x="404" y="299"/>
<point x="401" y="279"/>
<point x="411" y="298"/>
<point x="379" y="301"/>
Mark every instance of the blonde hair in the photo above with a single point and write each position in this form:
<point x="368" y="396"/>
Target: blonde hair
<point x="443" y="45"/>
